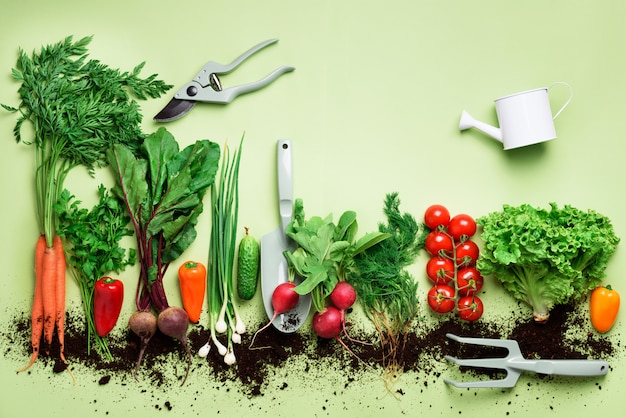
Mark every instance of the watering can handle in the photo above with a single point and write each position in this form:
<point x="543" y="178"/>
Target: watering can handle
<point x="571" y="94"/>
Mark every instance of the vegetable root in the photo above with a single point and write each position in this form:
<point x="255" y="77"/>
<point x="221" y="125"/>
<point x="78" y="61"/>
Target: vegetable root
<point x="37" y="309"/>
<point x="329" y="324"/>
<point x="284" y="299"/>
<point x="48" y="294"/>
<point x="343" y="297"/>
<point x="174" y="322"/>
<point x="144" y="324"/>
<point x="59" y="319"/>
<point x="48" y="311"/>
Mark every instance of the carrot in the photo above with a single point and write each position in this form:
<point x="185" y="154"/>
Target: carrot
<point x="48" y="294"/>
<point x="37" y="309"/>
<point x="60" y="293"/>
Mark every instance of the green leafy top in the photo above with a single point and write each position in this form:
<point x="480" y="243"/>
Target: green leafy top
<point x="163" y="190"/>
<point x="82" y="103"/>
<point x="325" y="253"/>
<point x="386" y="289"/>
<point x="78" y="108"/>
<point x="92" y="245"/>
<point x="94" y="236"/>
<point x="546" y="257"/>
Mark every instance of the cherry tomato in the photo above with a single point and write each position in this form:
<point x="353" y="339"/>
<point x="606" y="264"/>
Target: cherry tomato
<point x="468" y="281"/>
<point x="470" y="308"/>
<point x="441" y="298"/>
<point x="437" y="241"/>
<point x="466" y="253"/>
<point x="436" y="215"/>
<point x="440" y="270"/>
<point x="461" y="225"/>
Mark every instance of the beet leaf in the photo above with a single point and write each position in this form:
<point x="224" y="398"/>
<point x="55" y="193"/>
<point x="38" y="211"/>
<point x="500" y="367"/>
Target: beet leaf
<point x="163" y="189"/>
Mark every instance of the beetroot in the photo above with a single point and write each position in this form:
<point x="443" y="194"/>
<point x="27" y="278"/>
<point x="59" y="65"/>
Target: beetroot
<point x="144" y="324"/>
<point x="174" y="322"/>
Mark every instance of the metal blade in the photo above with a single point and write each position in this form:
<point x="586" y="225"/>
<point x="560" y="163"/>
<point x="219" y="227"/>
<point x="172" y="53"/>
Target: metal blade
<point x="175" y="109"/>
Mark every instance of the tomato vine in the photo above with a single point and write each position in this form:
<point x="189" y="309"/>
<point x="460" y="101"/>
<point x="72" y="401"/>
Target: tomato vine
<point x="452" y="266"/>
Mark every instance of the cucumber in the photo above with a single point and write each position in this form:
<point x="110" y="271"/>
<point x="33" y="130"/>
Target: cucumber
<point x="248" y="266"/>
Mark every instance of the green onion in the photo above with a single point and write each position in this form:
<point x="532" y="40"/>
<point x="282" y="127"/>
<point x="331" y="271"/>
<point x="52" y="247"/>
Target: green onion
<point x="223" y="314"/>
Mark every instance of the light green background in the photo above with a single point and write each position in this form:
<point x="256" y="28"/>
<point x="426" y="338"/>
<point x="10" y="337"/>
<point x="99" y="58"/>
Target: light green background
<point x="372" y="107"/>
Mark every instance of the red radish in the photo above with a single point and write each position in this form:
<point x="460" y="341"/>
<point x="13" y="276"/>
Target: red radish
<point x="343" y="296"/>
<point x="329" y="324"/>
<point x="284" y="299"/>
<point x="144" y="324"/>
<point x="174" y="322"/>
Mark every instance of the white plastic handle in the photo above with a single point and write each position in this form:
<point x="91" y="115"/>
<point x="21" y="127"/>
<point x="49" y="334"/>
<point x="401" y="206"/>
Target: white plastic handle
<point x="571" y="94"/>
<point x="285" y="182"/>
<point x="564" y="367"/>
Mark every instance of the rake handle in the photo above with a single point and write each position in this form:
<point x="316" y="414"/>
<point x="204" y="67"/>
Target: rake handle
<point x="562" y="367"/>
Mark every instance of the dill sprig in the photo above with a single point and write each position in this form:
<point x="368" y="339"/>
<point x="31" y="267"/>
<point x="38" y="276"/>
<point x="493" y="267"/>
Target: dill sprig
<point x="387" y="291"/>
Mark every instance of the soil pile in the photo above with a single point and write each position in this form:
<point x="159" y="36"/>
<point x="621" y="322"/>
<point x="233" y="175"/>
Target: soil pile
<point x="562" y="337"/>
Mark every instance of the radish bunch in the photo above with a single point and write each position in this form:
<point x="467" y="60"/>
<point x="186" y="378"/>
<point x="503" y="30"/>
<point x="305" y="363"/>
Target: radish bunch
<point x="331" y="321"/>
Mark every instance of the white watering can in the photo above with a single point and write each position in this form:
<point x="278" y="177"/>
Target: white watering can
<point x="525" y="118"/>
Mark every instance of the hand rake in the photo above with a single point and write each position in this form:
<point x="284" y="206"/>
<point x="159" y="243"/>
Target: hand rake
<point x="515" y="363"/>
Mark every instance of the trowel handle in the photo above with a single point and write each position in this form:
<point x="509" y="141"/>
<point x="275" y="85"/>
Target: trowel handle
<point x="285" y="182"/>
<point x="564" y="367"/>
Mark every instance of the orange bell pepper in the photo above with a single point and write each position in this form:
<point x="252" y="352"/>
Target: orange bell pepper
<point x="603" y="308"/>
<point x="192" y="281"/>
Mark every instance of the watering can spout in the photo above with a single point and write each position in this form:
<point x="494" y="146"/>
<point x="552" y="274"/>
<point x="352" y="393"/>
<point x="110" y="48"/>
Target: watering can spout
<point x="467" y="121"/>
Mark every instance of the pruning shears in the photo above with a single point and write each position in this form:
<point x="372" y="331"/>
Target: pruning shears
<point x="207" y="87"/>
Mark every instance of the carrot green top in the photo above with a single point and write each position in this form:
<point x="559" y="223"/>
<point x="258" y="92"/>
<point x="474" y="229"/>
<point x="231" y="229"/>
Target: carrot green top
<point x="77" y="108"/>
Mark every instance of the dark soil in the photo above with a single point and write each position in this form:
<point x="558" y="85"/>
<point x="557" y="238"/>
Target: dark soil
<point x="549" y="341"/>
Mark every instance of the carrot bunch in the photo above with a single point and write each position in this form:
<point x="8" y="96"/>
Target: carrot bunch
<point x="61" y="91"/>
<point x="48" y="311"/>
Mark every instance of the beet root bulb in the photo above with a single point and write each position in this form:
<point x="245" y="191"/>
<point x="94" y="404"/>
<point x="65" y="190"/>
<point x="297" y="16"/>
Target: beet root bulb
<point x="144" y="325"/>
<point x="174" y="322"/>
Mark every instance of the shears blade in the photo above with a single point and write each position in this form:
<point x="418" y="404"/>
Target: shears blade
<point x="175" y="109"/>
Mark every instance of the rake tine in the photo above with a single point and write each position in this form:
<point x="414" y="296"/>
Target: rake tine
<point x="507" y="382"/>
<point x="498" y="363"/>
<point x="510" y="345"/>
<point x="486" y="363"/>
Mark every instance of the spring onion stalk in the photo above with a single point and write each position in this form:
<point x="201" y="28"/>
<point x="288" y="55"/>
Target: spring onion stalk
<point x="223" y="313"/>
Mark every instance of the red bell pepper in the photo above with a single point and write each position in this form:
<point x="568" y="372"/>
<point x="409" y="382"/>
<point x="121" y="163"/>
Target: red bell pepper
<point x="107" y="301"/>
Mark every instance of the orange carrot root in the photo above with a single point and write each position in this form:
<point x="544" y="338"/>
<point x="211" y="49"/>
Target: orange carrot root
<point x="48" y="294"/>
<point x="37" y="309"/>
<point x="60" y="294"/>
